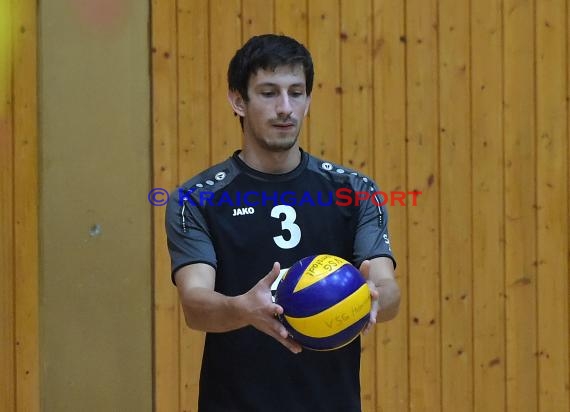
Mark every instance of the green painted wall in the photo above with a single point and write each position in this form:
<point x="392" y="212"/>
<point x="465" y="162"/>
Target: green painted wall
<point x="95" y="221"/>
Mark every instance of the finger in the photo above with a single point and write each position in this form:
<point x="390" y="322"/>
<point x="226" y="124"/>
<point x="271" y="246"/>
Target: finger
<point x="374" y="312"/>
<point x="371" y="319"/>
<point x="293" y="346"/>
<point x="280" y="330"/>
<point x="282" y="336"/>
<point x="365" y="269"/>
<point x="374" y="294"/>
<point x="277" y="310"/>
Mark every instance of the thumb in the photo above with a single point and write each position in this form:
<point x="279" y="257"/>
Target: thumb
<point x="273" y="274"/>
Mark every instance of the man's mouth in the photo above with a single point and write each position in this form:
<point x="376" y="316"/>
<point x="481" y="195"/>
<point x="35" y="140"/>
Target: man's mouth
<point x="284" y="125"/>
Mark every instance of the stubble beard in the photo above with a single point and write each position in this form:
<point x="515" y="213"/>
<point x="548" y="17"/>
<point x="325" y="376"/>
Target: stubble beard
<point x="280" y="143"/>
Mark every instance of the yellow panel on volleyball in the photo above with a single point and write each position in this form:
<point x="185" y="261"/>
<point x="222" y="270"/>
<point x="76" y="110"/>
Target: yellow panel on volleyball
<point x="336" y="318"/>
<point x="320" y="268"/>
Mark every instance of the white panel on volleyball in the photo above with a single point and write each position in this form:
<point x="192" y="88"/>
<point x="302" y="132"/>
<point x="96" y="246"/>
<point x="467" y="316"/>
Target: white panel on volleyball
<point x="274" y="285"/>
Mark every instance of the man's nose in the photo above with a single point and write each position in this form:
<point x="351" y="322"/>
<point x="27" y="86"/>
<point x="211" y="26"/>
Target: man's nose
<point x="284" y="108"/>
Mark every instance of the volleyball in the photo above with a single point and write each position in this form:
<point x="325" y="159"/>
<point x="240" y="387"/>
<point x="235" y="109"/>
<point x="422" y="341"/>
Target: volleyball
<point x="326" y="302"/>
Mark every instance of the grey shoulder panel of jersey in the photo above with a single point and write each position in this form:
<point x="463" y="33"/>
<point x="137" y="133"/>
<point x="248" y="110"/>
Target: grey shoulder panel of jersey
<point x="212" y="179"/>
<point x="339" y="173"/>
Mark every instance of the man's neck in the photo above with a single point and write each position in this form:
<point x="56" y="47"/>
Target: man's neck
<point x="271" y="162"/>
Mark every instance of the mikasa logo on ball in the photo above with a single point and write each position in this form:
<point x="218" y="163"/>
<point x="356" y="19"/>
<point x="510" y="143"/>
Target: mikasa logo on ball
<point x="319" y="268"/>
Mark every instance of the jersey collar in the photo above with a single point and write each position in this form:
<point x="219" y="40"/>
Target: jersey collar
<point x="274" y="177"/>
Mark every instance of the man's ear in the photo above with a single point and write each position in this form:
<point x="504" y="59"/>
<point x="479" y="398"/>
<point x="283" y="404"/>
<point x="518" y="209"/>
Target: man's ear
<point x="237" y="103"/>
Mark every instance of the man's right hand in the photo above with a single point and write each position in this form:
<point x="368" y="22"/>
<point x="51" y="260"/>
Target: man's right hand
<point x="259" y="310"/>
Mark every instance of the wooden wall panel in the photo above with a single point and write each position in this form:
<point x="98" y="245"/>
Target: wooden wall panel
<point x="291" y="19"/>
<point x="423" y="221"/>
<point x="165" y="175"/>
<point x="258" y="17"/>
<point x="26" y="197"/>
<point x="568" y="171"/>
<point x="465" y="101"/>
<point x="551" y="205"/>
<point x="225" y="38"/>
<point x="520" y="205"/>
<point x="489" y="361"/>
<point x="7" y="315"/>
<point x="455" y="206"/>
<point x="356" y="88"/>
<point x="194" y="154"/>
<point x="325" y="113"/>
<point x="19" y="355"/>
<point x="389" y="92"/>
<point x="357" y="136"/>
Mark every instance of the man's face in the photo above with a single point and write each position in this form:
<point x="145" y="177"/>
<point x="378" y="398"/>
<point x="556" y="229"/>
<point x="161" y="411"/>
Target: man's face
<point x="277" y="105"/>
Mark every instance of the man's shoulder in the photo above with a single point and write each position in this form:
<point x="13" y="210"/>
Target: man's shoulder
<point x="338" y="173"/>
<point x="211" y="179"/>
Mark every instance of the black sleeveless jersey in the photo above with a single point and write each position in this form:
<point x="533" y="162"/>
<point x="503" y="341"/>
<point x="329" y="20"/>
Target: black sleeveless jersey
<point x="240" y="221"/>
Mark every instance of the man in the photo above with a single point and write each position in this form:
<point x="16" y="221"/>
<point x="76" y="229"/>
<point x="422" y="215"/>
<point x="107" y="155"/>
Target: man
<point x="264" y="208"/>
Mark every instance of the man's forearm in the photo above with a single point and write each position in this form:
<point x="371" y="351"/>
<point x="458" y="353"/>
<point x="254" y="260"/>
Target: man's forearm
<point x="210" y="311"/>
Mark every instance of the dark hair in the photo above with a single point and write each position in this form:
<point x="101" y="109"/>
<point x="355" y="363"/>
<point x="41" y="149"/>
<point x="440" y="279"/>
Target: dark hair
<point x="267" y="52"/>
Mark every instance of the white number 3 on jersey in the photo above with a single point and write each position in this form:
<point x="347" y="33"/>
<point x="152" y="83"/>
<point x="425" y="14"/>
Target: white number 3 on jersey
<point x="289" y="225"/>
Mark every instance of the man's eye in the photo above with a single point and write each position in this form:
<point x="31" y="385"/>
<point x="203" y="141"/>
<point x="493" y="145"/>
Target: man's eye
<point x="267" y="94"/>
<point x="296" y="94"/>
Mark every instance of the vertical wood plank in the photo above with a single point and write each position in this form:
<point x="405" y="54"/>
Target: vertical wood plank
<point x="455" y="206"/>
<point x="356" y="76"/>
<point x="390" y="170"/>
<point x="324" y="44"/>
<point x="26" y="188"/>
<point x="357" y="139"/>
<point x="7" y="365"/>
<point x="291" y="20"/>
<point x="165" y="175"/>
<point x="488" y="207"/>
<point x="257" y="18"/>
<point x="225" y="39"/>
<point x="193" y="88"/>
<point x="193" y="157"/>
<point x="552" y="206"/>
<point x="520" y="212"/>
<point x="423" y="222"/>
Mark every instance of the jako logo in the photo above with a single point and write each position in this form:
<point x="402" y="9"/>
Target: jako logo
<point x="244" y="211"/>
